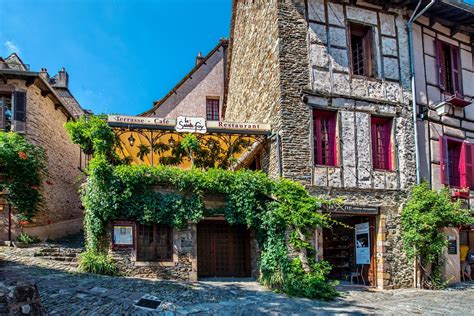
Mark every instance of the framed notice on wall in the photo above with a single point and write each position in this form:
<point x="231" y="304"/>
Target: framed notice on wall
<point x="362" y="239"/>
<point x="122" y="234"/>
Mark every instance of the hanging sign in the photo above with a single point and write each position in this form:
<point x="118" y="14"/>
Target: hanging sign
<point x="140" y="120"/>
<point x="362" y="239"/>
<point x="185" y="124"/>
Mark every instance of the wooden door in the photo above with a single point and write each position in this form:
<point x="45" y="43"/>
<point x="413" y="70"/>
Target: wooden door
<point x="223" y="250"/>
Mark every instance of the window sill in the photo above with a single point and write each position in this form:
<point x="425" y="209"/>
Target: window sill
<point x="385" y="170"/>
<point x="325" y="166"/>
<point x="154" y="264"/>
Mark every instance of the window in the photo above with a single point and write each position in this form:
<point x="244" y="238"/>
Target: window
<point x="361" y="44"/>
<point x="324" y="135"/>
<point x="449" y="68"/>
<point x="212" y="109"/>
<point x="381" y="143"/>
<point x="5" y="112"/>
<point x="456" y="162"/>
<point x="13" y="111"/>
<point x="154" y="243"/>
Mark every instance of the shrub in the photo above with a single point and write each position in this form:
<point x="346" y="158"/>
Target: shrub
<point x="27" y="239"/>
<point x="98" y="263"/>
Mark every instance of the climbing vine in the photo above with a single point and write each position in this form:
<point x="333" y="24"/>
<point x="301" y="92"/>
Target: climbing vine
<point x="22" y="167"/>
<point x="423" y="217"/>
<point x="280" y="211"/>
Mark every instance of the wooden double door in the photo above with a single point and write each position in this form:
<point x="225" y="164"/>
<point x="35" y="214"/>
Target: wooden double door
<point x="223" y="250"/>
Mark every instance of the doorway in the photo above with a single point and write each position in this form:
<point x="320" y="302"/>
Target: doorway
<point x="347" y="253"/>
<point x="223" y="250"/>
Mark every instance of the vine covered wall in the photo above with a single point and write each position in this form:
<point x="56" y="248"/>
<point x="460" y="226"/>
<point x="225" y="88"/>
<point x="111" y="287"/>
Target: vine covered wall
<point x="279" y="210"/>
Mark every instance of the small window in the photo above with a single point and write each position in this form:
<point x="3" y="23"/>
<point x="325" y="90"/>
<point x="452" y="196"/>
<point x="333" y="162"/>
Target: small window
<point x="449" y="68"/>
<point x="6" y="113"/>
<point x="212" y="109"/>
<point x="154" y="243"/>
<point x="381" y="143"/>
<point x="361" y="44"/>
<point x="324" y="135"/>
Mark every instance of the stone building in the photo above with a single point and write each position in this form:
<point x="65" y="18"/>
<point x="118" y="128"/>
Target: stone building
<point x="200" y="93"/>
<point x="444" y="91"/>
<point x="37" y="106"/>
<point x="333" y="80"/>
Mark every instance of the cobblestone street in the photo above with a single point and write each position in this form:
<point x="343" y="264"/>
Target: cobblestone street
<point x="64" y="291"/>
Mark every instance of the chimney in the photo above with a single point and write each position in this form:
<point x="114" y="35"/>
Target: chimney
<point x="199" y="58"/>
<point x="62" y="79"/>
<point x="44" y="74"/>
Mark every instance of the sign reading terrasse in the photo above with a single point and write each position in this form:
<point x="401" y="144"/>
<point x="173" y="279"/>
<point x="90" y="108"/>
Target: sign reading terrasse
<point x="207" y="126"/>
<point x="140" y="120"/>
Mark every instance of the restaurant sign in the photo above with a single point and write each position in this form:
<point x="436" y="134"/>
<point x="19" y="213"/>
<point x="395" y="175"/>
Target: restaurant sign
<point x="355" y="210"/>
<point x="186" y="124"/>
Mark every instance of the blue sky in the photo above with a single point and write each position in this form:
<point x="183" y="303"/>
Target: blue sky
<point x="120" y="55"/>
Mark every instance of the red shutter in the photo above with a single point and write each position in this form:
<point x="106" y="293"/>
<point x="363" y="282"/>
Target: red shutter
<point x="456" y="71"/>
<point x="375" y="161"/>
<point x="332" y="140"/>
<point x="467" y="165"/>
<point x="444" y="159"/>
<point x="440" y="65"/>
<point x="2" y="112"/>
<point x="388" y="144"/>
<point x="19" y="111"/>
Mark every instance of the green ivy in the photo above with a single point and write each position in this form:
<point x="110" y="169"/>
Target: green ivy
<point x="423" y="217"/>
<point x="22" y="167"/>
<point x="279" y="211"/>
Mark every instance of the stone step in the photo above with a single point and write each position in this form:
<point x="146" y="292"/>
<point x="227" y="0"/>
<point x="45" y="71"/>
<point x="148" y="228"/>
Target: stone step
<point x="54" y="254"/>
<point x="67" y="259"/>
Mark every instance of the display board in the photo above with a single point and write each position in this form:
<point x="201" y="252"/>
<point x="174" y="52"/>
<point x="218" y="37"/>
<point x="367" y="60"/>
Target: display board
<point x="362" y="238"/>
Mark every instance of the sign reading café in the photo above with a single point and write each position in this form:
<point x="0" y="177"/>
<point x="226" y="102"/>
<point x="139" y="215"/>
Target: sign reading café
<point x="185" y="124"/>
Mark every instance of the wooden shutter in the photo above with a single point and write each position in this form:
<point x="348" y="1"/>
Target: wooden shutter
<point x="2" y="112"/>
<point x="456" y="71"/>
<point x="467" y="165"/>
<point x="388" y="144"/>
<point x="369" y="53"/>
<point x="19" y="111"/>
<point x="444" y="160"/>
<point x="440" y="65"/>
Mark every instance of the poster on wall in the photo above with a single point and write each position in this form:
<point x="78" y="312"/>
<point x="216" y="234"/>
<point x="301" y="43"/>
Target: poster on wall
<point x="362" y="238"/>
<point x="123" y="235"/>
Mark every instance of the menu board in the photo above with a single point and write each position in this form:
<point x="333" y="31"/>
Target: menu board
<point x="123" y="235"/>
<point x="452" y="245"/>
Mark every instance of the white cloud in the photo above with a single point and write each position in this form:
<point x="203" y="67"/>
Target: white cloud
<point x="11" y="47"/>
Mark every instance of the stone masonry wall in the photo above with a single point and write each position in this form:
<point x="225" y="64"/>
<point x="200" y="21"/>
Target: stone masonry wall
<point x="45" y="128"/>
<point x="254" y="74"/>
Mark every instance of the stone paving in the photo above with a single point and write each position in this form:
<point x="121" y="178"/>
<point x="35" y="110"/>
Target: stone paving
<point x="64" y="291"/>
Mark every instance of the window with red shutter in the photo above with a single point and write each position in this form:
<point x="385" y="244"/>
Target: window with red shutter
<point x="449" y="68"/>
<point x="381" y="143"/>
<point x="212" y="109"/>
<point x="324" y="136"/>
<point x="467" y="165"/>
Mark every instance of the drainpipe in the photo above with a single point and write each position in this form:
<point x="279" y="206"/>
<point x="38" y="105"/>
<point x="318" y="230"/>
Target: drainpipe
<point x="412" y="19"/>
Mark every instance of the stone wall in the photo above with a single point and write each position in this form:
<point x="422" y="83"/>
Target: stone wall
<point x="311" y="70"/>
<point x="254" y="74"/>
<point x="182" y="267"/>
<point x="20" y="299"/>
<point x="45" y="128"/>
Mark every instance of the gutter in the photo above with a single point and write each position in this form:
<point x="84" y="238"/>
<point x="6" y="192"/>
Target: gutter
<point x="412" y="19"/>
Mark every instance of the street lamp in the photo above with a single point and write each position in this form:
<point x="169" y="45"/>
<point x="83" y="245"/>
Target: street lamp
<point x="131" y="140"/>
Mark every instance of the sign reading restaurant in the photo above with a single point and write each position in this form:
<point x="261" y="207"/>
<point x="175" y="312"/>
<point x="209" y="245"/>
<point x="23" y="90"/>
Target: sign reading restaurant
<point x="188" y="124"/>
